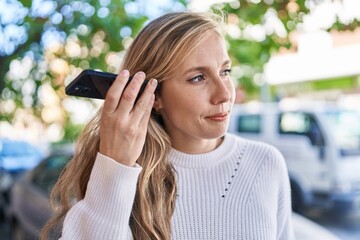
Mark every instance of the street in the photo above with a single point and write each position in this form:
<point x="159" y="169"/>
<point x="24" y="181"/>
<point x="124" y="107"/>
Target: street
<point x="346" y="228"/>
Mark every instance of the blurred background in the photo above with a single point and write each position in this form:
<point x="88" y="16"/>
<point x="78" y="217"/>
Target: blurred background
<point x="298" y="60"/>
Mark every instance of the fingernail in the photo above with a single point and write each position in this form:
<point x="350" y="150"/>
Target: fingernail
<point x="153" y="82"/>
<point x="124" y="72"/>
<point x="141" y="74"/>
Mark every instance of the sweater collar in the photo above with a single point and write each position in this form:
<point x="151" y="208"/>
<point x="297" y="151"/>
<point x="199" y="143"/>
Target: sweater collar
<point x="204" y="160"/>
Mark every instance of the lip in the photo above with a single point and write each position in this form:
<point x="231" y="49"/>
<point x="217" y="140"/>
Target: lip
<point x="218" y="117"/>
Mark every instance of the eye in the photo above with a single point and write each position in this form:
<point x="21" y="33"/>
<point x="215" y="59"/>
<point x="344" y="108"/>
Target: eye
<point x="226" y="72"/>
<point x="197" y="79"/>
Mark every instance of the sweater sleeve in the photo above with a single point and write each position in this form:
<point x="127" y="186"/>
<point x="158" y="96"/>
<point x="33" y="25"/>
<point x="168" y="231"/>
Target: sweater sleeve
<point x="104" y="212"/>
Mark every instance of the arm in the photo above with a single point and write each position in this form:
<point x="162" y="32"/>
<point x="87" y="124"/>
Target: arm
<point x="105" y="211"/>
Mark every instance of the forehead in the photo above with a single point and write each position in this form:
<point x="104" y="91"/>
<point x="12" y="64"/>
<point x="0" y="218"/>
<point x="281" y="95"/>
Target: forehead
<point x="210" y="49"/>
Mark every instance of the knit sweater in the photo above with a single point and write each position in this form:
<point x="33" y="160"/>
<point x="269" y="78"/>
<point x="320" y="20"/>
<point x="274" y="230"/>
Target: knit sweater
<point x="240" y="190"/>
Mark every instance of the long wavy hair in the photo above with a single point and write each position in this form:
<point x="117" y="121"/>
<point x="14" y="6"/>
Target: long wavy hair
<point x="158" y="49"/>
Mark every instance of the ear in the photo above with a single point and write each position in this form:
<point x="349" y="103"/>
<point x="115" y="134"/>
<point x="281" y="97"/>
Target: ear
<point x="158" y="103"/>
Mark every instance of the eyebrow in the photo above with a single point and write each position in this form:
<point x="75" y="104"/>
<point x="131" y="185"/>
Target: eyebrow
<point x="226" y="62"/>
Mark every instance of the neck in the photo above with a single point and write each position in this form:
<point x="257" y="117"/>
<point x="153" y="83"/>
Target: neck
<point x="196" y="146"/>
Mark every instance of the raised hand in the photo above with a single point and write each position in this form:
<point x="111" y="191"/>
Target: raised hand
<point x="123" y="121"/>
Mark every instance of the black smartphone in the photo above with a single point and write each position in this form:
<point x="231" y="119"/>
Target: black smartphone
<point x="94" y="84"/>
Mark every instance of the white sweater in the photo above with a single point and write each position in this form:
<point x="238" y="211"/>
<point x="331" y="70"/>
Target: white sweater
<point x="238" y="191"/>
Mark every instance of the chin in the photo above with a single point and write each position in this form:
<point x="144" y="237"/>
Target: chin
<point x="215" y="134"/>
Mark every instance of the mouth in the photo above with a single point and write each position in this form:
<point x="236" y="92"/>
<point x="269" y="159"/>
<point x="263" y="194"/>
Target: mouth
<point x="218" y="117"/>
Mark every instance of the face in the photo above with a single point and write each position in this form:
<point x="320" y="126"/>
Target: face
<point x="196" y="101"/>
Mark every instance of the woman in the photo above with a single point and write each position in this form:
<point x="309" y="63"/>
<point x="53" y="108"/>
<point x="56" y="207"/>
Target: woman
<point x="165" y="167"/>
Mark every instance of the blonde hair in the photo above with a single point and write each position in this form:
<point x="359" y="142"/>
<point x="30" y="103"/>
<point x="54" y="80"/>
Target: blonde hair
<point x="157" y="50"/>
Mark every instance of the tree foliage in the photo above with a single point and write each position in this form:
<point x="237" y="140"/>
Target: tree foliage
<point x="275" y="20"/>
<point x="59" y="39"/>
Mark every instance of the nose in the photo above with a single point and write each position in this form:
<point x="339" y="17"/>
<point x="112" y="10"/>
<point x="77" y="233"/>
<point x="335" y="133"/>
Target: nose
<point x="221" y="91"/>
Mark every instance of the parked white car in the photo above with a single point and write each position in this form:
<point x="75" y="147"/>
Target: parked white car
<point x="321" y="146"/>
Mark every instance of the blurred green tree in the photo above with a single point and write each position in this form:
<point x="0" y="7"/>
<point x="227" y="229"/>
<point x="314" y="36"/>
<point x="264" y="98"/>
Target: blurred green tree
<point x="44" y="44"/>
<point x="259" y="28"/>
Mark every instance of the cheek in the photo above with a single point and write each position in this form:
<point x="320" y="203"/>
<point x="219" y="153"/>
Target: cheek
<point x="186" y="108"/>
<point x="188" y="104"/>
<point x="231" y="88"/>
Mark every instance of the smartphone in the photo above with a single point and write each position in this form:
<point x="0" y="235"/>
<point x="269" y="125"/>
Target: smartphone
<point x="94" y="84"/>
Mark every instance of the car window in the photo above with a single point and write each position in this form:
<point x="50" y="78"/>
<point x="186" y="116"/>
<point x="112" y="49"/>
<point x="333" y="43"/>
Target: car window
<point x="249" y="123"/>
<point x="345" y="125"/>
<point x="300" y="123"/>
<point x="47" y="173"/>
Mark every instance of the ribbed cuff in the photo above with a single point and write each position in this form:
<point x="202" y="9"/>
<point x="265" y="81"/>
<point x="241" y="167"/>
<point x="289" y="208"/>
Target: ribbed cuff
<point x="112" y="186"/>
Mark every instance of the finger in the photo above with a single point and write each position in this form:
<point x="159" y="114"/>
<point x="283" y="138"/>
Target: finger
<point x="143" y="104"/>
<point x="146" y="116"/>
<point x="130" y="93"/>
<point x="114" y="94"/>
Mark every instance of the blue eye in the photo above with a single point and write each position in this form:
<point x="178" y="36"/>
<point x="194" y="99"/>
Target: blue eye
<point x="197" y="79"/>
<point x="226" y="72"/>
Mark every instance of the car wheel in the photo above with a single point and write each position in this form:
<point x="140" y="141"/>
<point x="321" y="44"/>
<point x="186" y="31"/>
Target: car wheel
<point x="296" y="201"/>
<point x="16" y="232"/>
<point x="2" y="214"/>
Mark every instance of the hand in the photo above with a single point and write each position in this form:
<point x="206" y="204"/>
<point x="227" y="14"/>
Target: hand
<point x="124" y="123"/>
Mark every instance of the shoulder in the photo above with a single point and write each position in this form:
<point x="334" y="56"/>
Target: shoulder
<point x="260" y="152"/>
<point x="255" y="146"/>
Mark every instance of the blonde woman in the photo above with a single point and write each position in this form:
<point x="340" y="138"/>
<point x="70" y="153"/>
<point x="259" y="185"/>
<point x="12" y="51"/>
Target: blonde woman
<point x="165" y="167"/>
